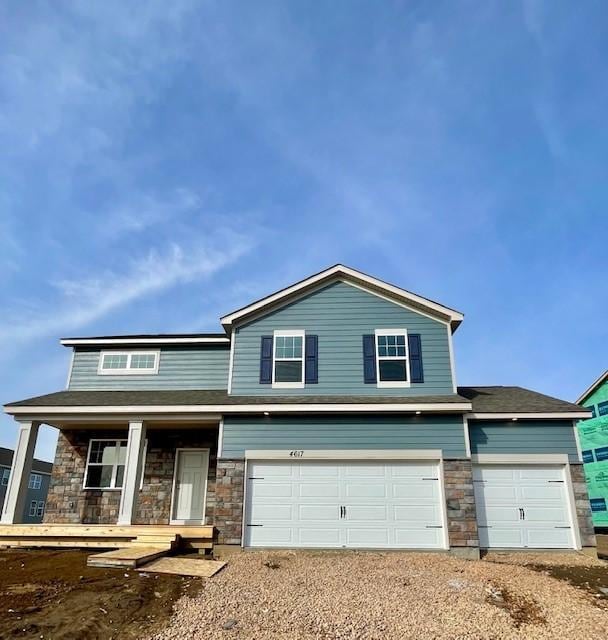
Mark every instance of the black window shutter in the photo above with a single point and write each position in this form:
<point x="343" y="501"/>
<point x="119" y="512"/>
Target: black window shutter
<point x="311" y="363"/>
<point x="415" y="353"/>
<point x="369" y="359"/>
<point x="266" y="360"/>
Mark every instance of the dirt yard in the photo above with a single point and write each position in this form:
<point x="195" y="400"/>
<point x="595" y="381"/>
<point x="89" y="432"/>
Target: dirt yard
<point x="395" y="596"/>
<point x="54" y="595"/>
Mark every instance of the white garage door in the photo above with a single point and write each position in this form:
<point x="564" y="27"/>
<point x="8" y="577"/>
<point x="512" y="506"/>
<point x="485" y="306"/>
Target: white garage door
<point x="330" y="504"/>
<point x="522" y="506"/>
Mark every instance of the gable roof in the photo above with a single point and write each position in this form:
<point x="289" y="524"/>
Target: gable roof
<point x="593" y="387"/>
<point x="342" y="273"/>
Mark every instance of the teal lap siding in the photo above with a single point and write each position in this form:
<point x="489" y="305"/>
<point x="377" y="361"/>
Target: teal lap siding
<point x="343" y="432"/>
<point x="340" y="314"/>
<point x="179" y="368"/>
<point x="524" y="436"/>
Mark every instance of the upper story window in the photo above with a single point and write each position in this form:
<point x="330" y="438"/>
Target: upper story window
<point x="288" y="364"/>
<point x="128" y="362"/>
<point x="4" y="477"/>
<point x="392" y="362"/>
<point x="35" y="481"/>
<point x="602" y="408"/>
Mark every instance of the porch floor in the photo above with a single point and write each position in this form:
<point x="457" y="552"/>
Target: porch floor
<point x="106" y="536"/>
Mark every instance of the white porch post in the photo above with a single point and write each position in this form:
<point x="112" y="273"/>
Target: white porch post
<point x="133" y="471"/>
<point x="16" y="491"/>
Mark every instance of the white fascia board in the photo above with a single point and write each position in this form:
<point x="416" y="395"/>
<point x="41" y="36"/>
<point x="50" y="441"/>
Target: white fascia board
<point x="343" y="454"/>
<point x="341" y="270"/>
<point x="141" y="341"/>
<point x="520" y="458"/>
<point x="446" y="407"/>
<point x="529" y="416"/>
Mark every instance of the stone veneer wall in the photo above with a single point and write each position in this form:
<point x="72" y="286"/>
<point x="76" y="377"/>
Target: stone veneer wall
<point x="229" y="496"/>
<point x="68" y="502"/>
<point x="460" y="503"/>
<point x="583" y="507"/>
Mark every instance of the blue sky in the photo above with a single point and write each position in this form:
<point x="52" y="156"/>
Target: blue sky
<point x="166" y="162"/>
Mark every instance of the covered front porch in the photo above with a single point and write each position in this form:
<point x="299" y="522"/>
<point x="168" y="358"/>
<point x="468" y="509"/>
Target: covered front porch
<point x="116" y="480"/>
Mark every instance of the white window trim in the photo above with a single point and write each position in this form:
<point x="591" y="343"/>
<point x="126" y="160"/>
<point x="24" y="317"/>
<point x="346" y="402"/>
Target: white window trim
<point x="281" y="333"/>
<point x="35" y="481"/>
<point x="113" y="482"/>
<point x="394" y="384"/>
<point x="128" y="371"/>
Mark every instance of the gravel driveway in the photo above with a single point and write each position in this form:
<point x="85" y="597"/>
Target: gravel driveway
<point x="390" y="596"/>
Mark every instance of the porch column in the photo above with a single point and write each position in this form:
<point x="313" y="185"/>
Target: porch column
<point x="133" y="471"/>
<point x="16" y="491"/>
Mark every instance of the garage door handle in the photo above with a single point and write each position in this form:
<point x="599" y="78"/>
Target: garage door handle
<point x="522" y="514"/>
<point x="430" y="478"/>
<point x="434" y="526"/>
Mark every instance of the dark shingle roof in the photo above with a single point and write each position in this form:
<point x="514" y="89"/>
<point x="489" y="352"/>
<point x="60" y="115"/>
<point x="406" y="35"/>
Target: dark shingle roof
<point x="514" y="400"/>
<point x="6" y="460"/>
<point x="207" y="397"/>
<point x="483" y="399"/>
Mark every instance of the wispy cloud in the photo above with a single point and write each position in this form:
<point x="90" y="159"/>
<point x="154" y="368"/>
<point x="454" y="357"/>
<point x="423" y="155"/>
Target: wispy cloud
<point x="83" y="301"/>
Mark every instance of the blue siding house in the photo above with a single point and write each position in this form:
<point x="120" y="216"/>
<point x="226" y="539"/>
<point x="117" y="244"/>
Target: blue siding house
<point x="324" y="415"/>
<point x="37" y="486"/>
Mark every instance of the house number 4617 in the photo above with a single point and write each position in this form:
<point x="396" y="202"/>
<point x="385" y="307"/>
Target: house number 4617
<point x="296" y="454"/>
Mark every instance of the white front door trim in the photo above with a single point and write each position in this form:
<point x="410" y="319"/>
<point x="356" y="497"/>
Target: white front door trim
<point x="174" y="488"/>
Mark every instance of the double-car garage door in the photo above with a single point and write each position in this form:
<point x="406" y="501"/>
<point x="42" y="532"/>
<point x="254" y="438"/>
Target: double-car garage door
<point x="335" y="504"/>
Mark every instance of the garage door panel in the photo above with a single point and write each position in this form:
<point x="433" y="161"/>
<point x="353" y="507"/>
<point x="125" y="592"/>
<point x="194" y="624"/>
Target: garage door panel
<point x="499" y="514"/>
<point x="271" y="490"/>
<point x="413" y="538"/>
<point x="270" y="470"/>
<point x="416" y="514"/>
<point x="548" y="538"/>
<point x="501" y="537"/>
<point x="552" y="516"/>
<point x="541" y="474"/>
<point x="268" y="536"/>
<point x="498" y="493"/>
<point x="324" y="537"/>
<point x="544" y="493"/>
<point x="271" y="513"/>
<point x="414" y="470"/>
<point x="370" y="489"/>
<point x="367" y="513"/>
<point x="363" y="470"/>
<point x="494" y="474"/>
<point x="311" y="513"/>
<point x="319" y="490"/>
<point x="367" y="537"/>
<point x="317" y="471"/>
<point x="422" y="491"/>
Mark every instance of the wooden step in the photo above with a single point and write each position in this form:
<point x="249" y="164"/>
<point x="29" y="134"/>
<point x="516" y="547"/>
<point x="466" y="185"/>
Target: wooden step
<point x="127" y="558"/>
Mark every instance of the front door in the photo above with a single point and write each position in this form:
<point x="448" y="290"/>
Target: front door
<point x="190" y="486"/>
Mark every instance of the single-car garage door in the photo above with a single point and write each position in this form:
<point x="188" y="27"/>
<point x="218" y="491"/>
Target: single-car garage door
<point x="353" y="504"/>
<point x="522" y="506"/>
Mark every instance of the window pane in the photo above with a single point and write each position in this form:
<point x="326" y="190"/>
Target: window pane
<point x="99" y="476"/>
<point x="288" y="371"/>
<point x="382" y="350"/>
<point x="40" y="511"/>
<point x="5" y="474"/>
<point x="120" y="474"/>
<point x="382" y="340"/>
<point x="122" y="452"/>
<point x="401" y="351"/>
<point x="401" y="340"/>
<point x="143" y="361"/>
<point x="115" y="361"/>
<point x="33" y="505"/>
<point x="392" y="370"/>
<point x="297" y="347"/>
<point x="103" y="451"/>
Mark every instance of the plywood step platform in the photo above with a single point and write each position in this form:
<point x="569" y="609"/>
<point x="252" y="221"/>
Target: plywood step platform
<point x="129" y="558"/>
<point x="184" y="567"/>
